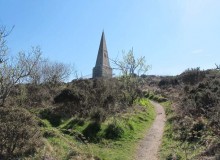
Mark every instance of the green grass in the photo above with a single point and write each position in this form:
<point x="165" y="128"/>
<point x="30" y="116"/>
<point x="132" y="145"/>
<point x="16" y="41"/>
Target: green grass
<point x="67" y="140"/>
<point x="134" y="126"/>
<point x="57" y="144"/>
<point x="171" y="146"/>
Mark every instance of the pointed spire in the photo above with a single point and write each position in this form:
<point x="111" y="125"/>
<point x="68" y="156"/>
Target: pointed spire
<point x="102" y="67"/>
<point x="102" y="58"/>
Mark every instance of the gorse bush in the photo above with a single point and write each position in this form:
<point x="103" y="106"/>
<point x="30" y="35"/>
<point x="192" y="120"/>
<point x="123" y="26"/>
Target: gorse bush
<point x="203" y="98"/>
<point x="114" y="131"/>
<point x="91" y="131"/>
<point x="53" y="117"/>
<point x="192" y="76"/>
<point x="98" y="115"/>
<point x="32" y="96"/>
<point x="67" y="95"/>
<point x="194" y="119"/>
<point x="19" y="134"/>
<point x="95" y="98"/>
<point x="198" y="110"/>
<point x="168" y="81"/>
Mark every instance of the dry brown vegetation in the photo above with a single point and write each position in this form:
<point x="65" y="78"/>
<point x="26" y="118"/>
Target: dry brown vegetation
<point x="20" y="134"/>
<point x="195" y="96"/>
<point x="95" y="98"/>
<point x="92" y="99"/>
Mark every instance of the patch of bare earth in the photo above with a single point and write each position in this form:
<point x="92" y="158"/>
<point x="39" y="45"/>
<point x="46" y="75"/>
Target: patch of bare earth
<point x="149" y="146"/>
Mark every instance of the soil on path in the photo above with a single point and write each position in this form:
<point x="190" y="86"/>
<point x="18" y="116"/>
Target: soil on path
<point x="149" y="146"/>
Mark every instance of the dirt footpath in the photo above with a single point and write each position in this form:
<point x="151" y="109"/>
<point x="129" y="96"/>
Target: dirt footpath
<point x="149" y="146"/>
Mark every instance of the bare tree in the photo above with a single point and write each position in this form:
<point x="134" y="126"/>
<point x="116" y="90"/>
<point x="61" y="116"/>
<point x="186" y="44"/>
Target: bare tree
<point x="56" y="72"/>
<point x="19" y="132"/>
<point x="3" y="46"/>
<point x="217" y="67"/>
<point x="50" y="72"/>
<point x="14" y="70"/>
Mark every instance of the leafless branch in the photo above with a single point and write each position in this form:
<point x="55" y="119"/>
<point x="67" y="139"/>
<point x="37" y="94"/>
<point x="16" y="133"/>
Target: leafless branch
<point x="217" y="66"/>
<point x="14" y="71"/>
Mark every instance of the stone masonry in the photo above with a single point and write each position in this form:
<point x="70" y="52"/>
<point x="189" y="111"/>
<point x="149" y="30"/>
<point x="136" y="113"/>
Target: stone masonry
<point x="102" y="67"/>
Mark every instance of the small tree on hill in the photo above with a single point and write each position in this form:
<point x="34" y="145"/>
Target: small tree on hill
<point x="14" y="70"/>
<point x="131" y="68"/>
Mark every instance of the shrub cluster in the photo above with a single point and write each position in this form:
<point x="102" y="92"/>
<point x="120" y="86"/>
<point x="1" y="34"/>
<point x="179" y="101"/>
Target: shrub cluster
<point x="168" y="81"/>
<point x="114" y="131"/>
<point x="154" y="97"/>
<point x="53" y="117"/>
<point x="199" y="108"/>
<point x="94" y="98"/>
<point x="91" y="131"/>
<point x="192" y="76"/>
<point x="19" y="134"/>
<point x="32" y="96"/>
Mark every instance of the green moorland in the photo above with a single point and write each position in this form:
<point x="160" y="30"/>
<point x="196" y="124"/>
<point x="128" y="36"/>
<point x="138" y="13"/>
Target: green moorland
<point x="101" y="119"/>
<point x="105" y="119"/>
<point x="192" y="127"/>
<point x="191" y="131"/>
<point x="66" y="140"/>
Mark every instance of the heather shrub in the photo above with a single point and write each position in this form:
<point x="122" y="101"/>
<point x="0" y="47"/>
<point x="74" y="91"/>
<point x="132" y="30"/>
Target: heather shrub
<point x="95" y="98"/>
<point x="19" y="134"/>
<point x="198" y="109"/>
<point x="168" y="81"/>
<point x="67" y="95"/>
<point x="192" y="76"/>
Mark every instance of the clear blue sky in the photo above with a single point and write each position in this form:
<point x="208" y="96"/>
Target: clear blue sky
<point x="173" y="35"/>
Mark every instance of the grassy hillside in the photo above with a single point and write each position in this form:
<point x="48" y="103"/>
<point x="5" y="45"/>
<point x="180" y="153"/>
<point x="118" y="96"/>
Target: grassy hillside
<point x="106" y="118"/>
<point x="84" y="119"/>
<point x="115" y="138"/>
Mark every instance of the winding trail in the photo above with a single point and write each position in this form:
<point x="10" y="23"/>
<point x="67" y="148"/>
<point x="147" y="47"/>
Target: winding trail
<point x="149" y="146"/>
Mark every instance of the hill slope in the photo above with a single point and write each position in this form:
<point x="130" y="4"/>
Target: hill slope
<point x="192" y="129"/>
